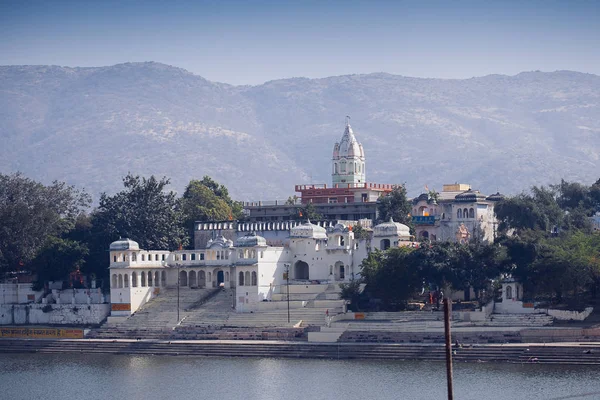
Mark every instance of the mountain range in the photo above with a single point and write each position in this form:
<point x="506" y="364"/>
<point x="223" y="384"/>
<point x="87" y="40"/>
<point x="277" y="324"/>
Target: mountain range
<point x="91" y="126"/>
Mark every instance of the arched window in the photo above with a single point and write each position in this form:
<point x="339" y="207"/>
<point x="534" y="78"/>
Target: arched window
<point x="509" y="292"/>
<point x="247" y="278"/>
<point x="133" y="279"/>
<point x="218" y="255"/>
<point x="471" y="213"/>
<point x="459" y="213"/>
<point x="254" y="283"/>
<point x="150" y="279"/>
<point x="126" y="280"/>
<point x="241" y="279"/>
<point x="143" y="274"/>
<point x="465" y="213"/>
<point x="143" y="257"/>
<point x="384" y="244"/>
<point x="114" y="280"/>
<point x="163" y="278"/>
<point x="240" y="254"/>
<point x="120" y="281"/>
<point x="156" y="279"/>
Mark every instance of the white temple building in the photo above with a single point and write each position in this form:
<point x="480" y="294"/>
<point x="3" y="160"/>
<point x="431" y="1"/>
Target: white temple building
<point x="312" y="255"/>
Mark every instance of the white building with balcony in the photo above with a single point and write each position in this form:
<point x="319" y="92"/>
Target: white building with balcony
<point x="312" y="255"/>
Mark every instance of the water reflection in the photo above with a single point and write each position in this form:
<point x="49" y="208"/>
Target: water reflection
<point x="30" y="376"/>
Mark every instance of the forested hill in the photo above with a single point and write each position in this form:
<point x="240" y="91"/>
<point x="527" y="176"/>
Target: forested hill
<point x="90" y="126"/>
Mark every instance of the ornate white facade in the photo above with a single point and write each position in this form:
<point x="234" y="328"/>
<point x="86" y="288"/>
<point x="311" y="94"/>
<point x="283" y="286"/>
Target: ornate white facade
<point x="312" y="255"/>
<point x="458" y="213"/>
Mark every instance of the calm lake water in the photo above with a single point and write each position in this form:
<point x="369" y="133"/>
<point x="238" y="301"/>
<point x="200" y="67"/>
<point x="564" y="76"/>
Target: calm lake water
<point x="65" y="377"/>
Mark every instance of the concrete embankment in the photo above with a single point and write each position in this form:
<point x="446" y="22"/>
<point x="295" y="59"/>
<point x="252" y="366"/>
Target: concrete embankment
<point x="574" y="353"/>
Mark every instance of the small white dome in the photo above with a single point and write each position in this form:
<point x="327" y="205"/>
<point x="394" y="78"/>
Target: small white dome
<point x="251" y="240"/>
<point x="220" y="241"/>
<point x="124" y="244"/>
<point x="308" y="231"/>
<point x="391" y="228"/>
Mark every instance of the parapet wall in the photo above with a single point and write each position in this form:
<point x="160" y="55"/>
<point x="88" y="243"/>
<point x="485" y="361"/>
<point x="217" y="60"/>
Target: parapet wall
<point x="53" y="314"/>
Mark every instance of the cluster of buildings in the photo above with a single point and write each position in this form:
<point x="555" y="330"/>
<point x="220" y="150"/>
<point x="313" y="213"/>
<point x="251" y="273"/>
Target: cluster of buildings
<point x="274" y="246"/>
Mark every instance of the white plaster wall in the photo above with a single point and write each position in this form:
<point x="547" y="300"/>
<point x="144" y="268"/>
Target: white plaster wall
<point x="60" y="314"/>
<point x="566" y="315"/>
<point x="140" y="296"/>
<point x="512" y="307"/>
<point x="17" y="293"/>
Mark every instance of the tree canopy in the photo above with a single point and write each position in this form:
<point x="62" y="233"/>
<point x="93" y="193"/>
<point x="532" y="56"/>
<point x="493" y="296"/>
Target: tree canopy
<point x="32" y="214"/>
<point x="395" y="205"/>
<point x="143" y="211"/>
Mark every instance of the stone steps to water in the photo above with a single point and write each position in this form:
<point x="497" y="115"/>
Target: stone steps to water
<point x="588" y="355"/>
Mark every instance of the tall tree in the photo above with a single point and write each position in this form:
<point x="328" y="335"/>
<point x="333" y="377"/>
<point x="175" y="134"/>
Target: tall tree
<point x="31" y="213"/>
<point x="144" y="211"/>
<point x="395" y="205"/>
<point x="207" y="200"/>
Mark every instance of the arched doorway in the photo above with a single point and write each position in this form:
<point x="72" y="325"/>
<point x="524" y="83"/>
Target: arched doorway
<point x="192" y="279"/>
<point x="425" y="235"/>
<point x="339" y="271"/>
<point x="201" y="279"/>
<point x="220" y="277"/>
<point x="163" y="278"/>
<point x="301" y="270"/>
<point x="183" y="278"/>
<point x="384" y="244"/>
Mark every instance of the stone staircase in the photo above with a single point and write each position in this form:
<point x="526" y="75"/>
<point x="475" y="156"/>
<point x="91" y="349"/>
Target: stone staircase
<point x="548" y="354"/>
<point x="157" y="318"/>
<point x="525" y="320"/>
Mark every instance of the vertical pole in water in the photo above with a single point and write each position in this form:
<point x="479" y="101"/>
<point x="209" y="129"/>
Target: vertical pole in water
<point x="447" y="306"/>
<point x="178" y="283"/>
<point x="287" y="276"/>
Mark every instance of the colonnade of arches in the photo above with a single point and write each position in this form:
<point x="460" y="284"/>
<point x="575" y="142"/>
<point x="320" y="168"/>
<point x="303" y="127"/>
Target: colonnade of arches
<point x="139" y="279"/>
<point x="247" y="278"/>
<point x="202" y="279"/>
<point x="465" y="213"/>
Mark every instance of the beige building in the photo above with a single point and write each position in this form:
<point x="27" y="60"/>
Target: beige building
<point x="458" y="213"/>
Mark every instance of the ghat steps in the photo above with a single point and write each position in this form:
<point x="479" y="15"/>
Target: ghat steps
<point x="572" y="354"/>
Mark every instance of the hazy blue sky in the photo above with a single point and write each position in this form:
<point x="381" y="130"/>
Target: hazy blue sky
<point x="249" y="42"/>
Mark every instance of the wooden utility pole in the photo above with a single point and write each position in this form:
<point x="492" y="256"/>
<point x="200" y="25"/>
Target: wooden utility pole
<point x="447" y="311"/>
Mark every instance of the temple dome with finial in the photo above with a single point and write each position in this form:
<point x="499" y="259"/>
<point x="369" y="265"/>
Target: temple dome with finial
<point x="391" y="228"/>
<point x="308" y="231"/>
<point x="348" y="159"/>
<point x="348" y="146"/>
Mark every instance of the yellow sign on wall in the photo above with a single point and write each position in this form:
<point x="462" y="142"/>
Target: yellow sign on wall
<point x="41" y="333"/>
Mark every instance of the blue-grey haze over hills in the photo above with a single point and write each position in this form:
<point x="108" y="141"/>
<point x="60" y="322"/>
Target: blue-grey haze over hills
<point x="91" y="126"/>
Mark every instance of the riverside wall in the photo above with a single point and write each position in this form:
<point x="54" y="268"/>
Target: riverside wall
<point x="581" y="354"/>
<point x="53" y="314"/>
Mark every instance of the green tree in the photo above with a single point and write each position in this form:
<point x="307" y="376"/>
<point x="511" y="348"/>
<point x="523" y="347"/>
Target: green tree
<point x="536" y="211"/>
<point x="360" y="232"/>
<point x="391" y="277"/>
<point x="395" y="205"/>
<point x="31" y="213"/>
<point x="309" y="212"/>
<point x="58" y="258"/>
<point x="206" y="200"/>
<point x="351" y="292"/>
<point x="144" y="211"/>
